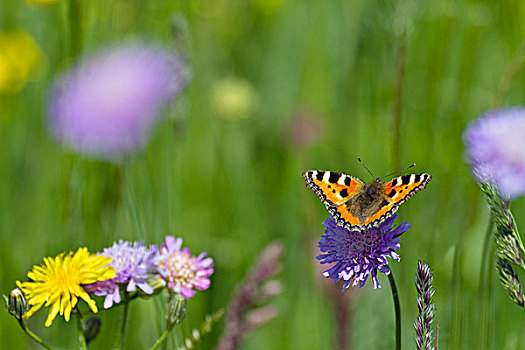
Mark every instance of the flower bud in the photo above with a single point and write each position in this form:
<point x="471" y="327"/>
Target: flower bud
<point x="157" y="283"/>
<point x="91" y="328"/>
<point x="175" y="309"/>
<point x="16" y="303"/>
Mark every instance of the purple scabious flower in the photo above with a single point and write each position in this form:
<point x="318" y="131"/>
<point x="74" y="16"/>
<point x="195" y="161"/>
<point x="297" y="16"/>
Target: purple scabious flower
<point x="106" y="106"/>
<point x="183" y="272"/>
<point x="132" y="263"/>
<point x="496" y="148"/>
<point x="359" y="254"/>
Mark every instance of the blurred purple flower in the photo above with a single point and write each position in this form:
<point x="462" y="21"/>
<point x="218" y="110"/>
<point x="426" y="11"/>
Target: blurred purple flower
<point x="132" y="263"/>
<point x="106" y="106"/>
<point x="182" y="271"/>
<point x="496" y="147"/>
<point x="359" y="254"/>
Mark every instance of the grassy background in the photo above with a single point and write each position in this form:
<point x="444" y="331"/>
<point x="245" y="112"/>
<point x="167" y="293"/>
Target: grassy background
<point x="231" y="187"/>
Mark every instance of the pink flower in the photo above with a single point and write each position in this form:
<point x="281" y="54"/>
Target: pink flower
<point x="183" y="272"/>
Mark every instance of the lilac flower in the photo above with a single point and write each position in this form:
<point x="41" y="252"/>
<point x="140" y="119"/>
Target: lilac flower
<point x="496" y="147"/>
<point x="359" y="254"/>
<point x="182" y="271"/>
<point x="132" y="263"/>
<point x="106" y="106"/>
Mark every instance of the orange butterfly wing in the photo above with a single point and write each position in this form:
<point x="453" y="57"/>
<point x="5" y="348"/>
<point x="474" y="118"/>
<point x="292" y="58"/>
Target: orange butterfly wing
<point x="397" y="191"/>
<point x="334" y="189"/>
<point x="385" y="211"/>
<point x="400" y="189"/>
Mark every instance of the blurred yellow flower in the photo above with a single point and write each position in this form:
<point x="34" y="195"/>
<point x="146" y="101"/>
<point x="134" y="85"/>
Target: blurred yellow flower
<point x="19" y="56"/>
<point x="233" y="98"/>
<point x="58" y="283"/>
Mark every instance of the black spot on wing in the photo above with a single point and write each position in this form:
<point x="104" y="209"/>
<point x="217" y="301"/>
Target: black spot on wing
<point x="319" y="176"/>
<point x="405" y="179"/>
<point x="394" y="182"/>
<point x="417" y="178"/>
<point x="392" y="193"/>
<point x="334" y="177"/>
<point x="348" y="181"/>
<point x="344" y="193"/>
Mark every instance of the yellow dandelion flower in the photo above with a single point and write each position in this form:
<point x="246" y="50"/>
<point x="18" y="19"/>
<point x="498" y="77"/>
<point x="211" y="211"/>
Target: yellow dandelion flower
<point x="58" y="283"/>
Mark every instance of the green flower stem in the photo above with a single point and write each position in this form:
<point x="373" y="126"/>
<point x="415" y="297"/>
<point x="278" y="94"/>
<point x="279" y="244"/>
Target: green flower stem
<point x="169" y="327"/>
<point x="80" y="328"/>
<point x="32" y="335"/>
<point x="119" y="344"/>
<point x="161" y="339"/>
<point x="397" y="309"/>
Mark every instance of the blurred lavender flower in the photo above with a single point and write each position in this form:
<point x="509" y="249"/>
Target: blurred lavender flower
<point x="496" y="147"/>
<point x="132" y="263"/>
<point x="182" y="271"/>
<point x="106" y="106"/>
<point x="359" y="254"/>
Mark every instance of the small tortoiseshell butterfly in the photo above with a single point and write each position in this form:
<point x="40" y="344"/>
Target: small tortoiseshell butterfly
<point x="357" y="205"/>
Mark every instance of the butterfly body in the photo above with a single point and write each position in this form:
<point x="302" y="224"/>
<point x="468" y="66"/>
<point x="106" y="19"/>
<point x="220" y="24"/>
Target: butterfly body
<point x="357" y="205"/>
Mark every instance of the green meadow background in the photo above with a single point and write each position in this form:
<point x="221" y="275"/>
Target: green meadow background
<point x="394" y="82"/>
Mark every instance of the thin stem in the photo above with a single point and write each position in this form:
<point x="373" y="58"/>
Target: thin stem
<point x="397" y="309"/>
<point x="169" y="327"/>
<point x="80" y="328"/>
<point x="119" y="344"/>
<point x="161" y="340"/>
<point x="32" y="335"/>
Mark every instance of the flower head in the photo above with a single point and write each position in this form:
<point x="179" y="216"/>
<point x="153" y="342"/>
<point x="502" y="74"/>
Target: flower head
<point x="20" y="57"/>
<point x="58" y="283"/>
<point x="16" y="303"/>
<point x="182" y="271"/>
<point x="106" y="106"/>
<point x="359" y="254"/>
<point x="132" y="263"/>
<point x="496" y="147"/>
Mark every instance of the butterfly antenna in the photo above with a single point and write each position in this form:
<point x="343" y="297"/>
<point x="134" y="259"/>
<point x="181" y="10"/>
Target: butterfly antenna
<point x="363" y="164"/>
<point x="400" y="171"/>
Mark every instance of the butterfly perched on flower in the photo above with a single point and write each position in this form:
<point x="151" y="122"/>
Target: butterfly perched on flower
<point x="357" y="205"/>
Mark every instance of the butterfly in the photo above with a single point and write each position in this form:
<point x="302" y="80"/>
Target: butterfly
<point x="357" y="205"/>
